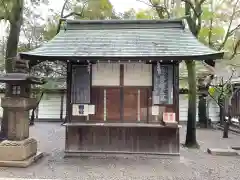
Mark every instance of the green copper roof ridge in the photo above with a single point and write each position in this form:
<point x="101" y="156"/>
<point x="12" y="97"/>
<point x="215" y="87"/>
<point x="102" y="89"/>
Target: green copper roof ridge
<point x="117" y="21"/>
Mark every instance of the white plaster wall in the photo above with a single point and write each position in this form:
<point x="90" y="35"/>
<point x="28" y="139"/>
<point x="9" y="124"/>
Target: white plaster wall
<point x="106" y="74"/>
<point x="137" y="74"/>
<point x="49" y="107"/>
<point x="1" y="109"/>
<point x="64" y="105"/>
<point x="183" y="109"/>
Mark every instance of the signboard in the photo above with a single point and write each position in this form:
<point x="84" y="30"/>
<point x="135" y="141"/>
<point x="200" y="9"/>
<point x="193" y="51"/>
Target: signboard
<point x="80" y="92"/>
<point x="163" y="84"/>
<point x="169" y="117"/>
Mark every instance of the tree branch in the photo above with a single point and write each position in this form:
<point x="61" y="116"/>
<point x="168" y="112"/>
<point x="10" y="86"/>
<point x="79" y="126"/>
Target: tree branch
<point x="63" y="8"/>
<point x="229" y="79"/>
<point x="210" y="68"/>
<point x="61" y="15"/>
<point x="214" y="99"/>
<point x="158" y="8"/>
<point x="192" y="7"/>
<point x="211" y="27"/>
<point x="144" y="3"/>
<point x="202" y="1"/>
<point x="234" y="29"/>
<point x="235" y="49"/>
<point x="229" y="27"/>
<point x="70" y="14"/>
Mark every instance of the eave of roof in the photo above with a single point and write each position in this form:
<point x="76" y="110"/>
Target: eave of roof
<point x="123" y="40"/>
<point x="19" y="78"/>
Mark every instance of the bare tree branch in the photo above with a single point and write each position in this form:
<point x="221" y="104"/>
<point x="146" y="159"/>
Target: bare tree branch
<point x="234" y="29"/>
<point x="142" y="1"/>
<point x="210" y="68"/>
<point x="192" y="7"/>
<point x="202" y="1"/>
<point x="211" y="27"/>
<point x="213" y="98"/>
<point x="229" y="27"/>
<point x="229" y="79"/>
<point x="63" y="8"/>
<point x="159" y="9"/>
<point x="70" y="14"/>
<point x="235" y="49"/>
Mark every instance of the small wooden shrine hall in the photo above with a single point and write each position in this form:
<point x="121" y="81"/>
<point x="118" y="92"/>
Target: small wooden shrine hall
<point x="122" y="83"/>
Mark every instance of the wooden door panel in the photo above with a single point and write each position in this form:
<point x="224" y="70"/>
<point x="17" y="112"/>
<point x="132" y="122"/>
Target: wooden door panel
<point x="97" y="99"/>
<point x="130" y="104"/>
<point x="113" y="104"/>
<point x="144" y="104"/>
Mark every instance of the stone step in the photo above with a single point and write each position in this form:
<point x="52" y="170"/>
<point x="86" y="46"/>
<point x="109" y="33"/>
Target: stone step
<point x="222" y="152"/>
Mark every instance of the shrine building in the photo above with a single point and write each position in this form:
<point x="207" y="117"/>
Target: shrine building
<point x="122" y="83"/>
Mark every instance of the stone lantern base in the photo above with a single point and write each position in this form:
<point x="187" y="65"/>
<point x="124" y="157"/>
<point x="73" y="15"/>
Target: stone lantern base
<point x="19" y="153"/>
<point x="18" y="150"/>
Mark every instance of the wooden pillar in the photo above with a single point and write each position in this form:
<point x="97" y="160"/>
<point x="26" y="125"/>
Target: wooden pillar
<point x="37" y="112"/>
<point x="121" y="92"/>
<point x="68" y="97"/>
<point x="61" y="105"/>
<point x="176" y="89"/>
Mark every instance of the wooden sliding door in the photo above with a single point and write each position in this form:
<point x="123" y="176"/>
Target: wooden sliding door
<point x="136" y="104"/>
<point x="113" y="104"/>
<point x="130" y="104"/>
<point x="120" y="92"/>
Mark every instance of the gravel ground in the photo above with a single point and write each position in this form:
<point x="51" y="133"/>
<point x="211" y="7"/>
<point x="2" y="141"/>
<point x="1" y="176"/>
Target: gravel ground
<point x="192" y="164"/>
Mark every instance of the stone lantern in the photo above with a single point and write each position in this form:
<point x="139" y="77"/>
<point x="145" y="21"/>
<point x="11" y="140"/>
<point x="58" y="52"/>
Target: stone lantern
<point x="18" y="149"/>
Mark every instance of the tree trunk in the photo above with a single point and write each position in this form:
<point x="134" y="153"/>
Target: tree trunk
<point x="11" y="52"/>
<point x="191" y="140"/>
<point x="221" y="111"/>
<point x="33" y="111"/>
<point x="226" y="128"/>
<point x="227" y="122"/>
<point x="202" y="112"/>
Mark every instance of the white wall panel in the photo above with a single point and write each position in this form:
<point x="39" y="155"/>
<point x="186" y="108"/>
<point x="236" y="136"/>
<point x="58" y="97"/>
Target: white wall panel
<point x="1" y="109"/>
<point x="137" y="74"/>
<point x="106" y="74"/>
<point x="183" y="109"/>
<point x="49" y="107"/>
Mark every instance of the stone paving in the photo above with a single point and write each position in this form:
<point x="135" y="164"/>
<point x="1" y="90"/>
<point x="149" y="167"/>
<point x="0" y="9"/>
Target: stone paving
<point x="191" y="165"/>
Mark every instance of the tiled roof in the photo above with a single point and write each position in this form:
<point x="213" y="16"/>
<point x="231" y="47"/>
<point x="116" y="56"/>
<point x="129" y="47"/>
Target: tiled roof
<point x="115" y="39"/>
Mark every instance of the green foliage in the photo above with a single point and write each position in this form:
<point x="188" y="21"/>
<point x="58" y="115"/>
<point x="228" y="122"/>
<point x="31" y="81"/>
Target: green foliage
<point x="5" y="8"/>
<point x="92" y="9"/>
<point x="146" y="14"/>
<point x="221" y="91"/>
<point x="50" y="29"/>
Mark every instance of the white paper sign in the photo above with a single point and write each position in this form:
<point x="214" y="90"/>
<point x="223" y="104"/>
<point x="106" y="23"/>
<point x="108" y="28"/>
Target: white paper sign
<point x="91" y="109"/>
<point x="155" y="110"/>
<point x="80" y="109"/>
